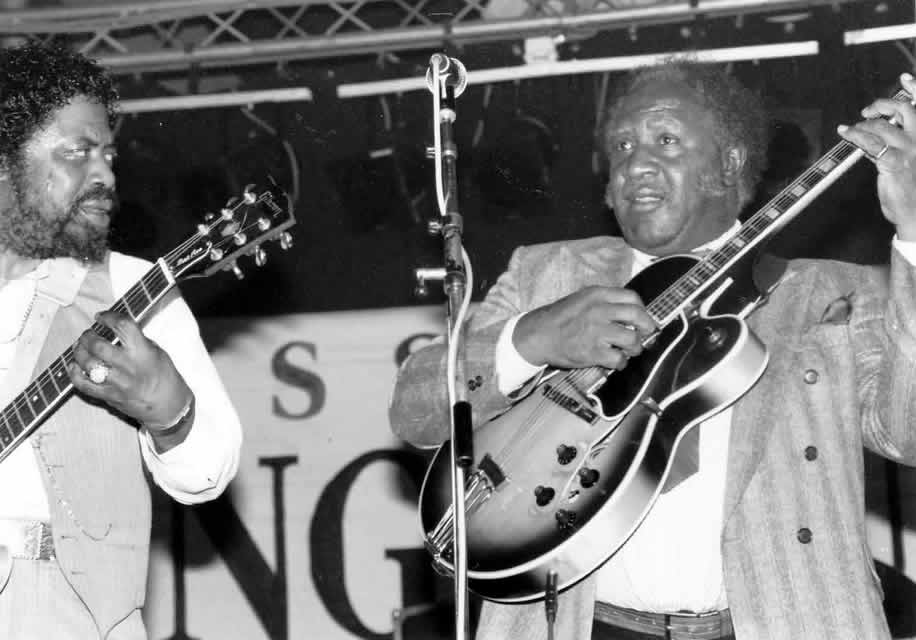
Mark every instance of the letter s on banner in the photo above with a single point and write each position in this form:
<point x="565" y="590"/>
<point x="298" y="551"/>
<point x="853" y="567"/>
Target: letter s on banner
<point x="308" y="381"/>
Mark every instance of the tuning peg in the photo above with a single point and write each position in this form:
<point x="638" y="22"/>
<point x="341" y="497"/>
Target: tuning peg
<point x="226" y="213"/>
<point x="236" y="270"/>
<point x="240" y="239"/>
<point x="216" y="254"/>
<point x="209" y="216"/>
<point x="263" y="223"/>
<point x="286" y="240"/>
<point x="260" y="256"/>
<point x="203" y="229"/>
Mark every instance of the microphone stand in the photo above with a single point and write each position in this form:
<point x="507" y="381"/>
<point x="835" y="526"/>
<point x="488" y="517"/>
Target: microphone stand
<point x="447" y="78"/>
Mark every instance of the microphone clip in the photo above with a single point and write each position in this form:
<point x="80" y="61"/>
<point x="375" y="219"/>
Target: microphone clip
<point x="451" y="73"/>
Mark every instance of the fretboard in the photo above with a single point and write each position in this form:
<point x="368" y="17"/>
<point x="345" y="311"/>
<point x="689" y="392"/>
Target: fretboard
<point x="52" y="386"/>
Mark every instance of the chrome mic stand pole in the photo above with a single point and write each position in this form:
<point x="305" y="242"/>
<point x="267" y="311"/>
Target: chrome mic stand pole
<point x="447" y="78"/>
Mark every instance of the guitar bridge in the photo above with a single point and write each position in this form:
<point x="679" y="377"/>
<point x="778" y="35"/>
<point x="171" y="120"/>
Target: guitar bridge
<point x="478" y="489"/>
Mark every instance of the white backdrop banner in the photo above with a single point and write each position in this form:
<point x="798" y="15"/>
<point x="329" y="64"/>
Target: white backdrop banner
<point x="318" y="537"/>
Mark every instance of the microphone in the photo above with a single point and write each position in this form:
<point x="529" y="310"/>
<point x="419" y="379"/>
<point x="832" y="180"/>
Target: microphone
<point x="451" y="72"/>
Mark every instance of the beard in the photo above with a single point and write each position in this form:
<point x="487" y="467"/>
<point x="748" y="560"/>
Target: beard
<point x="33" y="227"/>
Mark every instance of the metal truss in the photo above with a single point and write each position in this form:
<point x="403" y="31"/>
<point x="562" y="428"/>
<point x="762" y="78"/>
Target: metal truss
<point x="170" y="35"/>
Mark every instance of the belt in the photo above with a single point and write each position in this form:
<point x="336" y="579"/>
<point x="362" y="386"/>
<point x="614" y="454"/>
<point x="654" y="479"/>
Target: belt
<point x="27" y="539"/>
<point x="700" y="626"/>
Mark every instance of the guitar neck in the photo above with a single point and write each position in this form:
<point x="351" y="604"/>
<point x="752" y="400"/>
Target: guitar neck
<point x="787" y="204"/>
<point x="43" y="395"/>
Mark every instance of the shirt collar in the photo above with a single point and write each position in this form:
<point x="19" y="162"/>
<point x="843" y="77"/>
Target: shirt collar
<point x="641" y="260"/>
<point x="64" y="276"/>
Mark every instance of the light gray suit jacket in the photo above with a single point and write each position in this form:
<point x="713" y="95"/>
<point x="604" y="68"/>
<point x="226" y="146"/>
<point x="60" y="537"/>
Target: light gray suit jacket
<point x="836" y="383"/>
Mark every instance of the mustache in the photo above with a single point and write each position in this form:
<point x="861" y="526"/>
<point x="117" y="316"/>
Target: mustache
<point x="98" y="192"/>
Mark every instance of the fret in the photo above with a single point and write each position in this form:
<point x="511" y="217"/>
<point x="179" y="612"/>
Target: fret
<point x="812" y="179"/>
<point x="37" y="398"/>
<point x="7" y="434"/>
<point x="27" y="396"/>
<point x="140" y="289"/>
<point x="41" y="383"/>
<point x="827" y="164"/>
<point x="16" y="404"/>
<point x="59" y="372"/>
<point x="127" y="308"/>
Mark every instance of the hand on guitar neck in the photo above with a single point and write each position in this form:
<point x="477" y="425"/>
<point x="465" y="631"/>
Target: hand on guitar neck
<point x="139" y="378"/>
<point x="888" y="138"/>
<point x="595" y="326"/>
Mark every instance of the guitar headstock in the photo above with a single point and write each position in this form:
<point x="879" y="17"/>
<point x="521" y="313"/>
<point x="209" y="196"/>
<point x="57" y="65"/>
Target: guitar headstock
<point x="240" y="228"/>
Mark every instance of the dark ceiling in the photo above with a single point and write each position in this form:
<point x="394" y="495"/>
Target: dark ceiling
<point x="527" y="168"/>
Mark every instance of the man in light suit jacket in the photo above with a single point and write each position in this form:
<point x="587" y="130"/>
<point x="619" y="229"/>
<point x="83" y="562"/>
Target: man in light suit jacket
<point x="763" y="538"/>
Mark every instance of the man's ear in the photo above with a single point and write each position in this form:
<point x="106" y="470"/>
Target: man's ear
<point x="733" y="159"/>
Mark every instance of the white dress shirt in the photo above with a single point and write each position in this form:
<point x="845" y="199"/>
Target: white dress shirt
<point x="196" y="470"/>
<point x="673" y="562"/>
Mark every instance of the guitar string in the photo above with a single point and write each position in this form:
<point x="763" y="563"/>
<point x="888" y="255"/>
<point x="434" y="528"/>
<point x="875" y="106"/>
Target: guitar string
<point x="537" y="418"/>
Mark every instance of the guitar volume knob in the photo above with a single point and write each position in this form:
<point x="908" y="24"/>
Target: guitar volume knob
<point x="566" y="454"/>
<point x="566" y="519"/>
<point x="588" y="477"/>
<point x="543" y="495"/>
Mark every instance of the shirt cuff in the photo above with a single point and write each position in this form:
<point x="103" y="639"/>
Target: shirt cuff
<point x="512" y="370"/>
<point x="906" y="249"/>
<point x="196" y="470"/>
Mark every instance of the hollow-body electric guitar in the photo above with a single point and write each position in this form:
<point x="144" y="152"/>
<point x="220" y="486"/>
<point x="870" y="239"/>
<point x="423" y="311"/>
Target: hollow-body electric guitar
<point x="240" y="228"/>
<point x="564" y="477"/>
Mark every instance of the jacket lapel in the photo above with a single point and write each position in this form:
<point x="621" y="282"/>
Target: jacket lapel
<point x="608" y="264"/>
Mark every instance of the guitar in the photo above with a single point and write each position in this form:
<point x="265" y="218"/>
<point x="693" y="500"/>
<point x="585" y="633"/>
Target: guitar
<point x="240" y="228"/>
<point x="562" y="479"/>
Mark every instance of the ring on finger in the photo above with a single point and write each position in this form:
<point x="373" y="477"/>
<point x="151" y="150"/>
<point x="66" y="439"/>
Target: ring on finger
<point x="881" y="152"/>
<point x="98" y="373"/>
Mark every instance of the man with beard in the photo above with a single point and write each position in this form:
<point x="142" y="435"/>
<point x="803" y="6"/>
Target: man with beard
<point x="74" y="504"/>
<point x="759" y="530"/>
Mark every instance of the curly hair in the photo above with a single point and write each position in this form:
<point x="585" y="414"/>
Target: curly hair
<point x="738" y="112"/>
<point x="37" y="80"/>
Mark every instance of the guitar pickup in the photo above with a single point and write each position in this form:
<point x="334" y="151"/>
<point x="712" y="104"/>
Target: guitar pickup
<point x="569" y="403"/>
